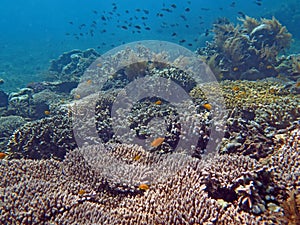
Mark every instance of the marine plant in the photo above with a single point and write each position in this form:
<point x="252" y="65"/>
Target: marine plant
<point x="249" y="50"/>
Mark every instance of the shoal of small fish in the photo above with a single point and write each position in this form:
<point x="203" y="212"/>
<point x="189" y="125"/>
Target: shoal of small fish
<point x="137" y="19"/>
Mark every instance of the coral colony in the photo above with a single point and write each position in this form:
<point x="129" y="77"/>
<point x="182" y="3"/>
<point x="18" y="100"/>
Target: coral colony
<point x="253" y="179"/>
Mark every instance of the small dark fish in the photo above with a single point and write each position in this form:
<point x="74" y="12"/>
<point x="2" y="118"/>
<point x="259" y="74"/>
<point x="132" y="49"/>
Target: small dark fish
<point x="183" y="17"/>
<point x="173" y="6"/>
<point x="166" y="10"/>
<point x="182" y="41"/>
<point x="146" y="11"/>
<point x="81" y="34"/>
<point x="189" y="2"/>
<point x="190" y="44"/>
<point x="258" y="3"/>
<point x="103" y="18"/>
<point x="95" y="12"/>
<point x="138" y="10"/>
<point x="138" y="31"/>
<point x="159" y="14"/>
<point x="232" y="4"/>
<point x="71" y="23"/>
<point x="124" y="27"/>
<point x="82" y="26"/>
<point x="243" y="15"/>
<point x="187" y="26"/>
<point x="206" y="32"/>
<point x="67" y="34"/>
<point x="174" y="34"/>
<point x="187" y="9"/>
<point x="147" y="28"/>
<point x="137" y="27"/>
<point x="103" y="31"/>
<point x="144" y="18"/>
<point x="126" y="11"/>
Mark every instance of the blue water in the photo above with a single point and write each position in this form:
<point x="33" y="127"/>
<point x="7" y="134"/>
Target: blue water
<point x="33" y="32"/>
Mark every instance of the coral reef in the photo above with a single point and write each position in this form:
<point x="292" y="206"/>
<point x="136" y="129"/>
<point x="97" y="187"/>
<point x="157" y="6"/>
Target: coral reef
<point x="248" y="51"/>
<point x="43" y="139"/>
<point x="8" y="124"/>
<point x="258" y="112"/>
<point x="228" y="189"/>
<point x="71" y="65"/>
<point x="28" y="104"/>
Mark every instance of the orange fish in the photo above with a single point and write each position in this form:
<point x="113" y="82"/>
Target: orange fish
<point x="2" y="155"/>
<point x="157" y="142"/>
<point x="143" y="187"/>
<point x="235" y="88"/>
<point x="81" y="192"/>
<point x="158" y="102"/>
<point x="47" y="112"/>
<point x="235" y="69"/>
<point x="136" y="158"/>
<point x="207" y="106"/>
<point x="89" y="82"/>
<point x="77" y="96"/>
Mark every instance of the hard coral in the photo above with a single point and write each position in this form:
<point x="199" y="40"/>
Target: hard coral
<point x="201" y="191"/>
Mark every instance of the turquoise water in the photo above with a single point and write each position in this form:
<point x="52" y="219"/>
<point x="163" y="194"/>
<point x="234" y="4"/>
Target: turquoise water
<point x="34" y="32"/>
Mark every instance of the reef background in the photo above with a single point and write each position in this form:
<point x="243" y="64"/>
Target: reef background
<point x="35" y="32"/>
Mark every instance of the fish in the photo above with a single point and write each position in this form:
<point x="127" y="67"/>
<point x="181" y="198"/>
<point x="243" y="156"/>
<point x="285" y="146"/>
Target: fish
<point x="143" y="187"/>
<point x="243" y="15"/>
<point x="232" y="4"/>
<point x="187" y="9"/>
<point x="207" y="106"/>
<point x="206" y="32"/>
<point x="146" y="11"/>
<point x="173" y="34"/>
<point x="182" y="41"/>
<point x="173" y="6"/>
<point x="166" y="10"/>
<point x="183" y="17"/>
<point x="157" y="142"/>
<point x="2" y="155"/>
<point x="258" y="3"/>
